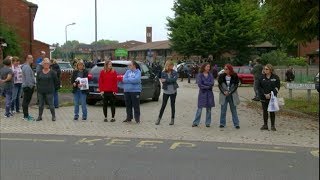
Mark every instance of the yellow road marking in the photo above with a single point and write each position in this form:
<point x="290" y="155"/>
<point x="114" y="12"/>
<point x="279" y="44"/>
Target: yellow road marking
<point x="315" y="153"/>
<point x="182" y="144"/>
<point x="148" y="144"/>
<point x="257" y="150"/>
<point x="90" y="142"/>
<point x="34" y="140"/>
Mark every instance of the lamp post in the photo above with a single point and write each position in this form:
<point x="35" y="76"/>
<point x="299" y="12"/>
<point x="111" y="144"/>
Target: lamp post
<point x="96" y="34"/>
<point x="67" y="38"/>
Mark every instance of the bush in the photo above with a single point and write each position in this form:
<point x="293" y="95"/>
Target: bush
<point x="280" y="58"/>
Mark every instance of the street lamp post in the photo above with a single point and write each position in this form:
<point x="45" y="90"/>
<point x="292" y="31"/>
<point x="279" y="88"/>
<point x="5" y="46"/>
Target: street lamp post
<point x="96" y="34"/>
<point x="67" y="38"/>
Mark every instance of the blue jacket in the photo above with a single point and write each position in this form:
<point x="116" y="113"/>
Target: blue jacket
<point x="132" y="81"/>
<point x="172" y="80"/>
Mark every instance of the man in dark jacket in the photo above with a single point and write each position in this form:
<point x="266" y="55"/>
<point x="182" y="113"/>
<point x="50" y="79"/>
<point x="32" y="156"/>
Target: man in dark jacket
<point x="257" y="72"/>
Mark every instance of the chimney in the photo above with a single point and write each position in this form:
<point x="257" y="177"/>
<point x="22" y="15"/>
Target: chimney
<point x="149" y="34"/>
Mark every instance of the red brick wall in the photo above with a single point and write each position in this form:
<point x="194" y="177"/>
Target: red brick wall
<point x="16" y="13"/>
<point x="308" y="48"/>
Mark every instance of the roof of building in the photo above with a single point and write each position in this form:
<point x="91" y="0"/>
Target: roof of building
<point x="125" y="45"/>
<point x="152" y="45"/>
<point x="30" y="4"/>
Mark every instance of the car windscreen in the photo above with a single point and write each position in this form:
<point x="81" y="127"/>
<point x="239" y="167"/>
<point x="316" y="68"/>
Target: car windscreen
<point x="65" y="66"/>
<point x="119" y="68"/>
<point x="245" y="71"/>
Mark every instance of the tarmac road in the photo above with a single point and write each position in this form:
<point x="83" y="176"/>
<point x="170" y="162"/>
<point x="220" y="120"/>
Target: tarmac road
<point x="45" y="157"/>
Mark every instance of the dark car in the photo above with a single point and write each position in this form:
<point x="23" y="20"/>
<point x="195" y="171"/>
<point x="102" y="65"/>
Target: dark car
<point x="316" y="81"/>
<point x="151" y="87"/>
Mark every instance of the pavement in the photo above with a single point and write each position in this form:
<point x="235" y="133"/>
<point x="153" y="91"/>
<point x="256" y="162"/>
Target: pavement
<point x="52" y="157"/>
<point x="292" y="131"/>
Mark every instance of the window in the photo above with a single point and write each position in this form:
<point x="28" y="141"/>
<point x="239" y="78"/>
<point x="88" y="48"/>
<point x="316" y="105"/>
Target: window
<point x="144" y="70"/>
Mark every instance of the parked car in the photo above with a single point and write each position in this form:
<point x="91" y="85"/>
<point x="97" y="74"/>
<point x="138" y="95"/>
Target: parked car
<point x="244" y="74"/>
<point x="151" y="87"/>
<point x="316" y="82"/>
<point x="65" y="66"/>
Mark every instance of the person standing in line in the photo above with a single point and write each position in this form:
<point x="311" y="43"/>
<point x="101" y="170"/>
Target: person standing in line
<point x="132" y="90"/>
<point x="39" y="61"/>
<point x="79" y="95"/>
<point x="17" y="81"/>
<point x="28" y="84"/>
<point x="228" y="85"/>
<point x="205" y="82"/>
<point x="267" y="83"/>
<point x="55" y="66"/>
<point x="257" y="72"/>
<point x="47" y="84"/>
<point x="6" y="84"/>
<point x="108" y="87"/>
<point x="169" y="85"/>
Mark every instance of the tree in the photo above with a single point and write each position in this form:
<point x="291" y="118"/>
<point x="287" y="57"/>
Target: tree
<point x="58" y="52"/>
<point x="104" y="42"/>
<point x="213" y="27"/>
<point x="296" y="19"/>
<point x="12" y="39"/>
<point x="70" y="45"/>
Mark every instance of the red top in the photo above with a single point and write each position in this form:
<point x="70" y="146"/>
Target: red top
<point x="108" y="81"/>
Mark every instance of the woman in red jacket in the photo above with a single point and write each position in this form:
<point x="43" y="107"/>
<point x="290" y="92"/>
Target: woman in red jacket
<point x="108" y="87"/>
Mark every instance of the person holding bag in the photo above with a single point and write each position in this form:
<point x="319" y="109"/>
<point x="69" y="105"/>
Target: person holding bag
<point x="267" y="83"/>
<point x="79" y="95"/>
<point x="108" y="87"/>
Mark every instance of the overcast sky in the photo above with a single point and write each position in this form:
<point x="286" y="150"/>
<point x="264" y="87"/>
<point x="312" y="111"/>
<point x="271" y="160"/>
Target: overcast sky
<point x="120" y="20"/>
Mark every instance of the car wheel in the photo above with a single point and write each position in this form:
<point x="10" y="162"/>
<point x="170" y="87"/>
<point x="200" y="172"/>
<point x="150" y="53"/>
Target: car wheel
<point x="156" y="94"/>
<point x="91" y="101"/>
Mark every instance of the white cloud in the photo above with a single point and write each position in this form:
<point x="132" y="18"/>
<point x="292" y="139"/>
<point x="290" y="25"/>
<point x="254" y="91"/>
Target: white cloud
<point x="117" y="19"/>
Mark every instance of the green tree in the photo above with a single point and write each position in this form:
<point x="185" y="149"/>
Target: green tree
<point x="58" y="53"/>
<point x="104" y="42"/>
<point x="214" y="27"/>
<point x="297" y="20"/>
<point x="12" y="39"/>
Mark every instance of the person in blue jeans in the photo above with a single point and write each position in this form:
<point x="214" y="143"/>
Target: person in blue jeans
<point x="17" y="81"/>
<point x="132" y="89"/>
<point x="6" y="85"/>
<point x="79" y="95"/>
<point x="55" y="66"/>
<point x="228" y="85"/>
<point x="205" y="82"/>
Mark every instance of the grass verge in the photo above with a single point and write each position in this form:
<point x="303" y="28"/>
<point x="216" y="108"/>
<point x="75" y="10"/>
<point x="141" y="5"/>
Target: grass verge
<point x="297" y="107"/>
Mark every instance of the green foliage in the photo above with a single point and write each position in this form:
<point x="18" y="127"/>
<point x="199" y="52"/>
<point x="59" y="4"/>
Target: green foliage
<point x="295" y="20"/>
<point x="280" y="58"/>
<point x="12" y="39"/>
<point x="213" y="27"/>
<point x="104" y="42"/>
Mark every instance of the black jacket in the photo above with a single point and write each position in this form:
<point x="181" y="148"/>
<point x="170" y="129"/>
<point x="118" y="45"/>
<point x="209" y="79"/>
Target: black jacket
<point x="74" y="77"/>
<point x="57" y="69"/>
<point x="265" y="85"/>
<point x="234" y="82"/>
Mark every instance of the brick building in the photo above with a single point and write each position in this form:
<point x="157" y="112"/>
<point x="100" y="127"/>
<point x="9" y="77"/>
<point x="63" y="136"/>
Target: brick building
<point x="310" y="51"/>
<point x="19" y="15"/>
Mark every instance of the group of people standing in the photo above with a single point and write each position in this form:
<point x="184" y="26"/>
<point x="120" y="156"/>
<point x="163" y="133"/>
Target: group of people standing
<point x="15" y="77"/>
